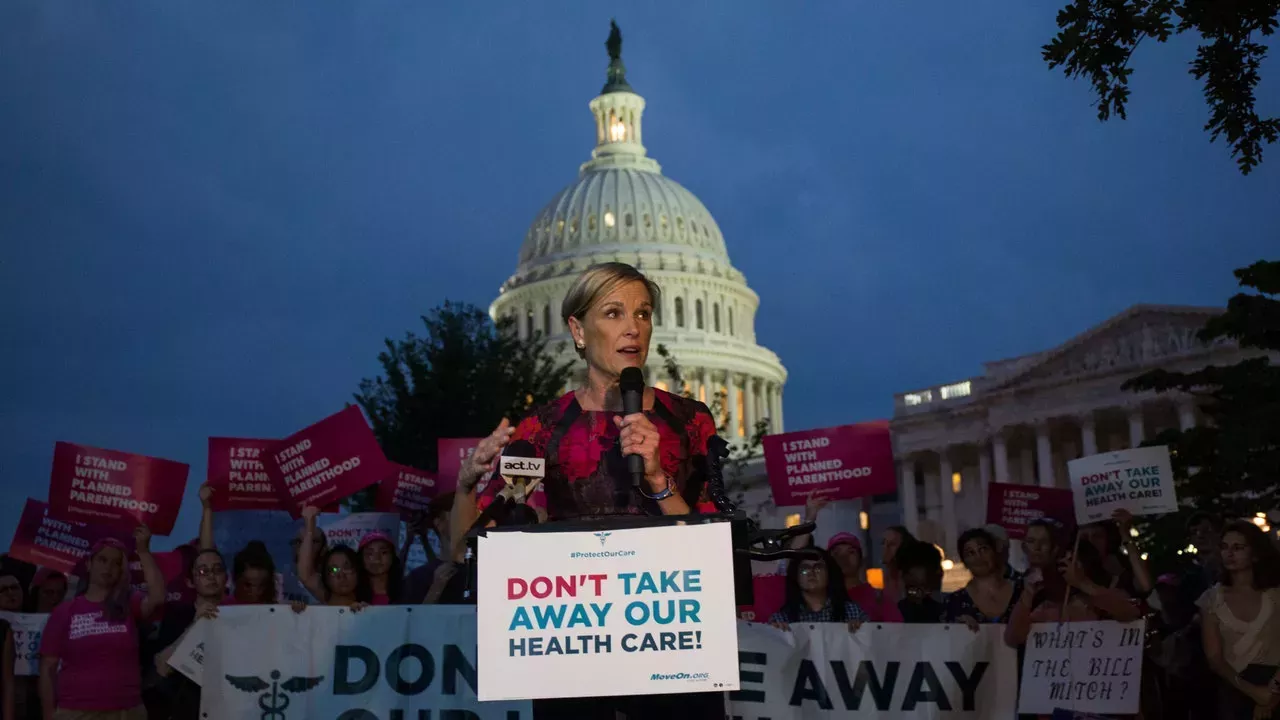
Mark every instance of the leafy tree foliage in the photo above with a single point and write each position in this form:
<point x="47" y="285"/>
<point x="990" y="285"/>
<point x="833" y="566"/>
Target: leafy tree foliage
<point x="1097" y="39"/>
<point x="1229" y="465"/>
<point x="458" y="379"/>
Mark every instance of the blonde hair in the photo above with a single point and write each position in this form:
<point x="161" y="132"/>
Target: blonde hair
<point x="595" y="283"/>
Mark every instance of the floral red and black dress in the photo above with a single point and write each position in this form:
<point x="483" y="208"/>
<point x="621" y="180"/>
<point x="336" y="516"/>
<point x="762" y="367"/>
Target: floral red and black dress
<point x="587" y="475"/>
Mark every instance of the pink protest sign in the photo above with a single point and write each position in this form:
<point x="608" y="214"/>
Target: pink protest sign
<point x="450" y="453"/>
<point x="770" y="591"/>
<point x="238" y="477"/>
<point x="325" y="462"/>
<point x="838" y="463"/>
<point x="405" y="490"/>
<point x="122" y="490"/>
<point x="1013" y="507"/>
<point x="56" y="544"/>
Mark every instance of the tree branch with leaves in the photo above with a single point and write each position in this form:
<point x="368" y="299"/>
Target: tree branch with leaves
<point x="1097" y="39"/>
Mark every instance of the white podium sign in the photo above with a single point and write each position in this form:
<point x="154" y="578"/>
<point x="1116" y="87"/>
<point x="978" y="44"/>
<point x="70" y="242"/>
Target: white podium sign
<point x="642" y="611"/>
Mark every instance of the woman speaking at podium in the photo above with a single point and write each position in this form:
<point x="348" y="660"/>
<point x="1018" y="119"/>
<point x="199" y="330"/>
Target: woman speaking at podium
<point x="584" y="435"/>
<point x="585" y="438"/>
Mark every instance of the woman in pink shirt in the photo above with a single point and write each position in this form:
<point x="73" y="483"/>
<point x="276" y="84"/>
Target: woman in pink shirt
<point x="89" y="652"/>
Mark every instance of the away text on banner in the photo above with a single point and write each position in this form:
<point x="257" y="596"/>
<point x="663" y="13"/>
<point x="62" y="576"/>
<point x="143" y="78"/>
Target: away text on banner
<point x="644" y="611"/>
<point x="892" y="671"/>
<point x="1138" y="480"/>
<point x="378" y="664"/>
<point x="838" y="463"/>
<point x="326" y="462"/>
<point x="117" y="489"/>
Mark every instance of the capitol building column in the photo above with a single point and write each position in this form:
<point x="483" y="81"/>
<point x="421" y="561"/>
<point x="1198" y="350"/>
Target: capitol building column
<point x="907" y="496"/>
<point x="731" y="399"/>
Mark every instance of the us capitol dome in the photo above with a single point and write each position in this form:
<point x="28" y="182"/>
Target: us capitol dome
<point x="622" y="208"/>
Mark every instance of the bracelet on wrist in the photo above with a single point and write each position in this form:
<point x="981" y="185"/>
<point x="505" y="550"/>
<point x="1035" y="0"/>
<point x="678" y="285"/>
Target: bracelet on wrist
<point x="666" y="492"/>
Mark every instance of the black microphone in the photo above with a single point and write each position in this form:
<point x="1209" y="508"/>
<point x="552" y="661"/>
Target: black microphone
<point x="631" y="383"/>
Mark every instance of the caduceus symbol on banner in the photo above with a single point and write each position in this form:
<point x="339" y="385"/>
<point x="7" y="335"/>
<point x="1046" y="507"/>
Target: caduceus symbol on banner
<point x="273" y="702"/>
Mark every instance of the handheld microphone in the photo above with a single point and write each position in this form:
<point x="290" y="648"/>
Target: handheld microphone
<point x="631" y="383"/>
<point x="521" y="469"/>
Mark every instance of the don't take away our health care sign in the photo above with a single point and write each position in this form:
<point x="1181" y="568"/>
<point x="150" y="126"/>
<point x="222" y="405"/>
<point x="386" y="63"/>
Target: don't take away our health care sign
<point x="644" y="611"/>
<point x="1139" y="480"/>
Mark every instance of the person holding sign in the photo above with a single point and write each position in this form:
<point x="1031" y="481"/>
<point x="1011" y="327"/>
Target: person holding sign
<point x="343" y="580"/>
<point x="1114" y="541"/>
<point x="1088" y="593"/>
<point x="89" y="649"/>
<point x="586" y="437"/>
<point x="1241" y="625"/>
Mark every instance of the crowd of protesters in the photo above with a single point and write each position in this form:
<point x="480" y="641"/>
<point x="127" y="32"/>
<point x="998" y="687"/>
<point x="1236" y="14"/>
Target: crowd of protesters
<point x="106" y="645"/>
<point x="1213" y="630"/>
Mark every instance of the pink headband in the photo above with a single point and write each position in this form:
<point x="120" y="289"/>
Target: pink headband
<point x="105" y="543"/>
<point x="375" y="536"/>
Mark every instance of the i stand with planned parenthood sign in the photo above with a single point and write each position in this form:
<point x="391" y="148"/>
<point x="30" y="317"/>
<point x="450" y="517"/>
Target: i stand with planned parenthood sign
<point x="1139" y="480"/>
<point x="642" y="611"/>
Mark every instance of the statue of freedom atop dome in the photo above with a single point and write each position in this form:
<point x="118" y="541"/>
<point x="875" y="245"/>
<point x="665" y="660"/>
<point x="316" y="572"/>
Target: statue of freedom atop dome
<point x="617" y="73"/>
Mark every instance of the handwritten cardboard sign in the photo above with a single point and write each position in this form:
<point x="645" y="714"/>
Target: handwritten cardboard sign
<point x="1093" y="667"/>
<point x="325" y="462"/>
<point x="41" y="539"/>
<point x="406" y="490"/>
<point x="1139" y="480"/>
<point x="108" y="487"/>
<point x="1013" y="507"/>
<point x="238" y="476"/>
<point x="450" y="454"/>
<point x="838" y="463"/>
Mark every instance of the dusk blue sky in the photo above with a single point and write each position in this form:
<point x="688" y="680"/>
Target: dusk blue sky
<point x="212" y="213"/>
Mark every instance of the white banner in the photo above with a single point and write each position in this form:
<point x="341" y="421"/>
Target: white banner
<point x="27" y="629"/>
<point x="1093" y="667"/>
<point x="644" y="611"/>
<point x="1138" y="480"/>
<point x="893" y="672"/>
<point x="378" y="664"/>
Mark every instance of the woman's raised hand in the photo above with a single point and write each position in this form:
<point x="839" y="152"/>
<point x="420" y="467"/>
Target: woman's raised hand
<point x="482" y="457"/>
<point x="638" y="436"/>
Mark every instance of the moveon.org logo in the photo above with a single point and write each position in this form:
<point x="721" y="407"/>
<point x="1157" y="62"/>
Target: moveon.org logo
<point x="693" y="677"/>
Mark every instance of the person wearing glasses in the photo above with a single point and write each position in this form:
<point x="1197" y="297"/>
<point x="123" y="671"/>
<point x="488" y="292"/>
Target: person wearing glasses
<point x="175" y="697"/>
<point x="340" y="580"/>
<point x="815" y="592"/>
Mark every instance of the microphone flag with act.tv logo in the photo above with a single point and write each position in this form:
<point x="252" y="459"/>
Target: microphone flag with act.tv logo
<point x="521" y="470"/>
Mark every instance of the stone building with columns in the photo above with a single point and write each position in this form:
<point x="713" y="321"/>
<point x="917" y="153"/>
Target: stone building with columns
<point x="1022" y="419"/>
<point x="622" y="208"/>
